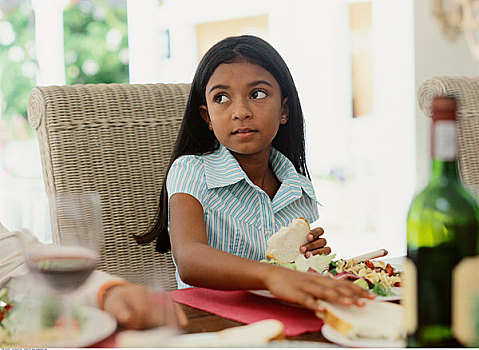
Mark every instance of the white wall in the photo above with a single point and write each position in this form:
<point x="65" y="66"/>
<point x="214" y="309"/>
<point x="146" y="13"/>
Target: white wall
<point x="394" y="121"/>
<point x="434" y="56"/>
<point x="143" y="42"/>
<point x="312" y="37"/>
<point x="369" y="209"/>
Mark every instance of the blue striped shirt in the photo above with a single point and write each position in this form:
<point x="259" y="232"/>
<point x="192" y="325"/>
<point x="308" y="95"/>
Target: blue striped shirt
<point x="240" y="216"/>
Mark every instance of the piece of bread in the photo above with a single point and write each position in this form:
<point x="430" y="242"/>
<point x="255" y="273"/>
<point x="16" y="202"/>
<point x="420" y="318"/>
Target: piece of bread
<point x="151" y="338"/>
<point x="283" y="246"/>
<point x="256" y="333"/>
<point x="375" y="320"/>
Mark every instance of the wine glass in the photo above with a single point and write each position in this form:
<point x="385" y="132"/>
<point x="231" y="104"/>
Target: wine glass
<point x="66" y="265"/>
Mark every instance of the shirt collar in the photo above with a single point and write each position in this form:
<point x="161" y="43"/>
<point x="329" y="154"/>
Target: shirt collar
<point x="222" y="162"/>
<point x="288" y="176"/>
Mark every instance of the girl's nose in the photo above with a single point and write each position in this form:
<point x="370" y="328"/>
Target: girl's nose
<point x="241" y="111"/>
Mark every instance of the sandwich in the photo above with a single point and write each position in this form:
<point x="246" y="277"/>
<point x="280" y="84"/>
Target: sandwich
<point x="283" y="245"/>
<point x="283" y="249"/>
<point x="375" y="320"/>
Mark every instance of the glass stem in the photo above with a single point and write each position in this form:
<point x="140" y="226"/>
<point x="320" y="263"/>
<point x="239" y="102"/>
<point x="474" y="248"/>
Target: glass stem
<point x="67" y="315"/>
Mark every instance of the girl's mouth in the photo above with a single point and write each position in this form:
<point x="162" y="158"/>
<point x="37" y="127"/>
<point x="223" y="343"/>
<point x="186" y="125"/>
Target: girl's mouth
<point x="243" y="131"/>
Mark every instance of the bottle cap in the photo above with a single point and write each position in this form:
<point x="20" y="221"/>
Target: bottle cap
<point x="444" y="108"/>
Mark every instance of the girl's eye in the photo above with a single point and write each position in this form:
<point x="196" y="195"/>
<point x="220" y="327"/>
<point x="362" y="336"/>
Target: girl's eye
<point x="220" y="98"/>
<point x="258" y="94"/>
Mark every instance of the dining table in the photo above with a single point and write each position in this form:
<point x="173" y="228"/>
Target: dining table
<point x="210" y="310"/>
<point x="204" y="322"/>
<point x="244" y="306"/>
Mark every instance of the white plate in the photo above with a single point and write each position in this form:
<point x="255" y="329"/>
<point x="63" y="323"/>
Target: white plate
<point x="397" y="294"/>
<point x="337" y="337"/>
<point x="397" y="262"/>
<point x="97" y="326"/>
<point x="194" y="340"/>
<point x="209" y="340"/>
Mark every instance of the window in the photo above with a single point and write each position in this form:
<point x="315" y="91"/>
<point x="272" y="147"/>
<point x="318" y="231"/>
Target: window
<point x="96" y="42"/>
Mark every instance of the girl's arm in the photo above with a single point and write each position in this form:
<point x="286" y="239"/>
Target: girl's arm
<point x="204" y="266"/>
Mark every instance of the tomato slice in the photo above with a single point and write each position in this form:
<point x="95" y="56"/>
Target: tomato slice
<point x="61" y="321"/>
<point x="369" y="264"/>
<point x="389" y="270"/>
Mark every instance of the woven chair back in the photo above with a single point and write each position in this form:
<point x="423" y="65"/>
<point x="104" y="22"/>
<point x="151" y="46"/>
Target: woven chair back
<point x="114" y="139"/>
<point x="466" y="90"/>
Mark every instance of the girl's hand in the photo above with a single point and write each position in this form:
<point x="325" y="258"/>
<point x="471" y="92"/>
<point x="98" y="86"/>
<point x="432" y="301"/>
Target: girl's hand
<point x="316" y="244"/>
<point x="305" y="288"/>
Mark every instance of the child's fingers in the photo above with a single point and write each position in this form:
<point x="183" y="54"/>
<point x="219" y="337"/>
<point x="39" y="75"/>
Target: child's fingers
<point x="315" y="233"/>
<point x="314" y="245"/>
<point x="323" y="250"/>
<point x="352" y="293"/>
<point x="295" y="293"/>
<point x="355" y="295"/>
<point x="306" y="288"/>
<point x="308" y="301"/>
<point x="339" y="292"/>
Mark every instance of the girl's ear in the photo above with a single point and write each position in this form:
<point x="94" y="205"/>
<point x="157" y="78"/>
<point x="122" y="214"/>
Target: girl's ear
<point x="205" y="115"/>
<point x="284" y="111"/>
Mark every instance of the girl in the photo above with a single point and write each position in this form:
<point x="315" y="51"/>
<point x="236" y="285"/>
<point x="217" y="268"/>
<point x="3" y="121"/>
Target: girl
<point x="238" y="173"/>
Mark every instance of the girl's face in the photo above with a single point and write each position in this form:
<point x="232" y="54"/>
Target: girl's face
<point x="244" y="107"/>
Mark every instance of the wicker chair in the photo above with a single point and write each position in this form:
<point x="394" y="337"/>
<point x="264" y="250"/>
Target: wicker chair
<point x="115" y="139"/>
<point x="466" y="90"/>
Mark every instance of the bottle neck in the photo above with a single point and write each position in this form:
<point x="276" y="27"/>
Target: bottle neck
<point x="444" y="152"/>
<point x="444" y="172"/>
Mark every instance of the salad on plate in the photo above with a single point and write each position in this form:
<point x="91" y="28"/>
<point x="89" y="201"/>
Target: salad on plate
<point x="378" y="276"/>
<point x="375" y="275"/>
<point x="18" y="326"/>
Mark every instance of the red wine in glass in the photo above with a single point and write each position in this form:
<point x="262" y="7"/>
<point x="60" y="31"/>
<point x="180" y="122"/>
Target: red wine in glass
<point x="65" y="269"/>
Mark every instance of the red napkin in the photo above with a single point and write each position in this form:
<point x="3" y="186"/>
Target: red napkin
<point x="244" y="307"/>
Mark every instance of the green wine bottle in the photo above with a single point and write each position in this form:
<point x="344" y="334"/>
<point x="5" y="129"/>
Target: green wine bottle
<point x="442" y="228"/>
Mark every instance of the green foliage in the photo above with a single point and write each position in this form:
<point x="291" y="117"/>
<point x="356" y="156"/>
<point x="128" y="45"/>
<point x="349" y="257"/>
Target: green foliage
<point x="96" y="44"/>
<point x="17" y="62"/>
<point x="96" y="40"/>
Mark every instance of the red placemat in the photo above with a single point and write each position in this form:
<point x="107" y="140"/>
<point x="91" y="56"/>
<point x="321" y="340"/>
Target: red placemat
<point x="244" y="307"/>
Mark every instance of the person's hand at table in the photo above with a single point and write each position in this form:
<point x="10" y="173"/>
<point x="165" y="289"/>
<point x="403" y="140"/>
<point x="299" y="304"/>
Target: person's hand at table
<point x="305" y="288"/>
<point x="134" y="308"/>
<point x="316" y="244"/>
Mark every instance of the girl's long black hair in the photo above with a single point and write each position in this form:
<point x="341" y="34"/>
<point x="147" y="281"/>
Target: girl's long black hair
<point x="194" y="136"/>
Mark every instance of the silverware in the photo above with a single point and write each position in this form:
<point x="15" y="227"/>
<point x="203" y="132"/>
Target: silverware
<point x="371" y="255"/>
